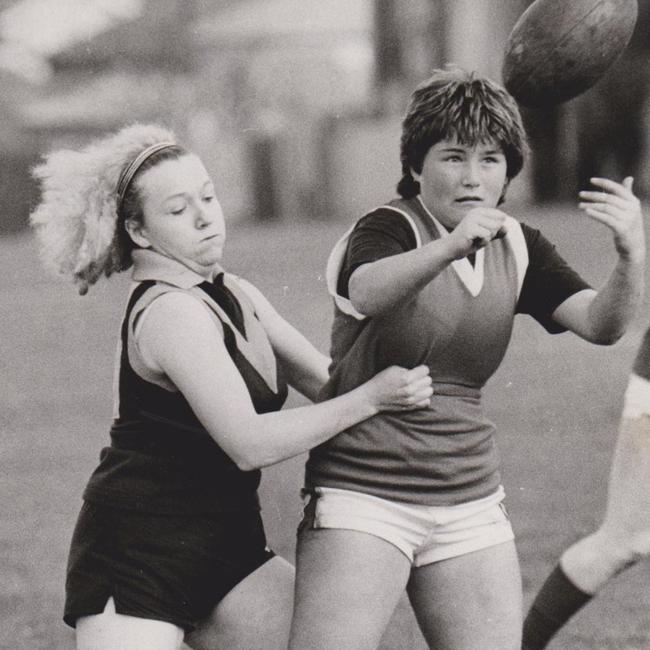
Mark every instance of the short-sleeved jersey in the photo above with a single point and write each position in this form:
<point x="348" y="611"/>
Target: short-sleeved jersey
<point x="459" y="325"/>
<point x="548" y="282"/>
<point x="161" y="459"/>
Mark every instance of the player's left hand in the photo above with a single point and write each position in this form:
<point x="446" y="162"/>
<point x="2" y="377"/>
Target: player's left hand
<point x="616" y="206"/>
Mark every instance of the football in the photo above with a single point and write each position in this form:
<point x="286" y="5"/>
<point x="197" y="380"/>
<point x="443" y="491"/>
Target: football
<point x="560" y="48"/>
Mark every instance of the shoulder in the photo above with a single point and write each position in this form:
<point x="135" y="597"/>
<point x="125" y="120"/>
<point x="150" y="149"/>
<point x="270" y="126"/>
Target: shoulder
<point x="531" y="235"/>
<point x="246" y="287"/>
<point x="540" y="249"/>
<point x="250" y="291"/>
<point x="177" y="313"/>
<point x="264" y="310"/>
<point x="385" y="217"/>
<point x="385" y="222"/>
<point x="176" y="325"/>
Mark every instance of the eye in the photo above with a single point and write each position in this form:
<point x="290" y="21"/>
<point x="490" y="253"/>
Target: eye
<point x="208" y="198"/>
<point x="493" y="158"/>
<point x="453" y="158"/>
<point x="178" y="210"/>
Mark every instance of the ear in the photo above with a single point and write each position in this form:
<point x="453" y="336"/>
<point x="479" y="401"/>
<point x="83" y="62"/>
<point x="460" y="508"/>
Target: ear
<point x="136" y="233"/>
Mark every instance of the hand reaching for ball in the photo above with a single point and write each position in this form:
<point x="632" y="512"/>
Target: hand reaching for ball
<point x="615" y="205"/>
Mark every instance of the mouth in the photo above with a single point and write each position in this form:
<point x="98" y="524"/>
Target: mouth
<point x="469" y="200"/>
<point x="210" y="237"/>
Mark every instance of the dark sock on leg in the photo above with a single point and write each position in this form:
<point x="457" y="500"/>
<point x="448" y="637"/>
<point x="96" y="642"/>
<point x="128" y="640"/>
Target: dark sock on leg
<point x="557" y="601"/>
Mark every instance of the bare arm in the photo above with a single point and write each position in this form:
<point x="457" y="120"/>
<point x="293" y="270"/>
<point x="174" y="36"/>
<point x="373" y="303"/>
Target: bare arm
<point x="177" y="337"/>
<point x="603" y="316"/>
<point x="306" y="367"/>
<point x="377" y="286"/>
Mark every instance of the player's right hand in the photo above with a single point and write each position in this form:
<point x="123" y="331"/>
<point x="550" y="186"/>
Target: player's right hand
<point x="477" y="229"/>
<point x="399" y="389"/>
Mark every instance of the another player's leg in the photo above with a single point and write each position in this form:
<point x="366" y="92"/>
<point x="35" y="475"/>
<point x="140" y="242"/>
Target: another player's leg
<point x="621" y="540"/>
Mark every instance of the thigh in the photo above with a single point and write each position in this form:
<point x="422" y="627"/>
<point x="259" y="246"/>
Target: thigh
<point x="628" y="502"/>
<point x="112" y="631"/>
<point x="254" y="614"/>
<point x="347" y="586"/>
<point x="470" y="601"/>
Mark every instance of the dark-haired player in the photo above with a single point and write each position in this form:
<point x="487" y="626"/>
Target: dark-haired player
<point x="414" y="500"/>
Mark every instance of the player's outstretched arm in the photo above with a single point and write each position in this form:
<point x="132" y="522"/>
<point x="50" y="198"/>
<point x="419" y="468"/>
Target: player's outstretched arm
<point x="177" y="338"/>
<point x="603" y="316"/>
<point x="378" y="286"/>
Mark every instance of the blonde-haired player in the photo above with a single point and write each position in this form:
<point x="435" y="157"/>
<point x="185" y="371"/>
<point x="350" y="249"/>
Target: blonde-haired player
<point x="170" y="543"/>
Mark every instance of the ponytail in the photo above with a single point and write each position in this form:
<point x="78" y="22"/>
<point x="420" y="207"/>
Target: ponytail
<point x="407" y="187"/>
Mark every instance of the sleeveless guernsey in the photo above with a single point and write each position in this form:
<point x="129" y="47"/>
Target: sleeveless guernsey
<point x="161" y="459"/>
<point x="460" y="326"/>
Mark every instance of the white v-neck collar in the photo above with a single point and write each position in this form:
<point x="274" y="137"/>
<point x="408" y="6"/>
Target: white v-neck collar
<point x="470" y="275"/>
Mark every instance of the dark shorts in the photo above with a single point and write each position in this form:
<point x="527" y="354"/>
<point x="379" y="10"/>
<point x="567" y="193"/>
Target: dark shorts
<point x="167" y="568"/>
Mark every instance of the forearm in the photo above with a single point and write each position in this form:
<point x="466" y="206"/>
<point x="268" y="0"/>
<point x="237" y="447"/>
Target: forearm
<point x="308" y="379"/>
<point x="378" y="286"/>
<point x="615" y="304"/>
<point x="272" y="437"/>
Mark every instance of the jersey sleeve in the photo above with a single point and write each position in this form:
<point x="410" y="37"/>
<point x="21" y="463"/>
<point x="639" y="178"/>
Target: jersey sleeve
<point x="380" y="234"/>
<point x="548" y="282"/>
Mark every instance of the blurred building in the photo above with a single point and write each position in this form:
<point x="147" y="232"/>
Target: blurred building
<point x="295" y="105"/>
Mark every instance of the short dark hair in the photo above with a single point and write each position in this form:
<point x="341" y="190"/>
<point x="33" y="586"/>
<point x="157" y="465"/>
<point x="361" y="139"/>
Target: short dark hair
<point x="454" y="104"/>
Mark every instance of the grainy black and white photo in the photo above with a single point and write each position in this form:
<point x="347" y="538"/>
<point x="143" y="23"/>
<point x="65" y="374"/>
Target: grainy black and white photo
<point x="324" y="325"/>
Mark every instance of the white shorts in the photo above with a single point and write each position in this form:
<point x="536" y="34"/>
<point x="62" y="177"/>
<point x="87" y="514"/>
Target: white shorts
<point x="425" y="534"/>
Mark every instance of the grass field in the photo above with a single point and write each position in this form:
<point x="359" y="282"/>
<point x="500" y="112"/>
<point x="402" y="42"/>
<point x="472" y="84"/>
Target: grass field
<point x="555" y="400"/>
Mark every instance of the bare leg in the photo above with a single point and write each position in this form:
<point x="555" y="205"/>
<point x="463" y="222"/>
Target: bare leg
<point x="622" y="539"/>
<point x="471" y="601"/>
<point x="255" y="614"/>
<point x="348" y="584"/>
<point x="624" y="536"/>
<point x="112" y="631"/>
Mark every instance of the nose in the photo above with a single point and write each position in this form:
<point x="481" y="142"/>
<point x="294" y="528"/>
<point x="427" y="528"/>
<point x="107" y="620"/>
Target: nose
<point x="203" y="216"/>
<point x="470" y="177"/>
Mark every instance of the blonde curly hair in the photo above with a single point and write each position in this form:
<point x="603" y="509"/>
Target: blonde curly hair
<point x="77" y="218"/>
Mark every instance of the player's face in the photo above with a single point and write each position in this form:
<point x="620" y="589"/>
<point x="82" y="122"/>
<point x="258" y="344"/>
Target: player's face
<point x="456" y="178"/>
<point x="182" y="217"/>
